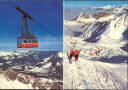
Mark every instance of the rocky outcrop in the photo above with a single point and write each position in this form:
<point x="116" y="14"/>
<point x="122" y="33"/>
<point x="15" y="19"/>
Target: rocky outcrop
<point x="10" y="75"/>
<point x="35" y="82"/>
<point x="101" y="14"/>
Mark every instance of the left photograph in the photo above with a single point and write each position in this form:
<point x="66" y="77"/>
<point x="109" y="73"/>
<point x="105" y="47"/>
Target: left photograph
<point x="31" y="44"/>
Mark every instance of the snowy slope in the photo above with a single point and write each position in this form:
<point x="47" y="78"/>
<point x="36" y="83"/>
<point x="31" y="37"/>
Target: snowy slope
<point x="94" y="71"/>
<point x="86" y="74"/>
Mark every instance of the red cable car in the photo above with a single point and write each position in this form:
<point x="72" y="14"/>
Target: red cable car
<point x="26" y="39"/>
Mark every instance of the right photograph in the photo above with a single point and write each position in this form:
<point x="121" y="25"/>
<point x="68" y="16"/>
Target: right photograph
<point x="95" y="45"/>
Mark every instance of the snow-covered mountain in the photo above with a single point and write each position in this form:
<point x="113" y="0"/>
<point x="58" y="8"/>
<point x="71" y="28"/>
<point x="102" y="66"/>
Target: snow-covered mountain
<point x="71" y="13"/>
<point x="110" y="8"/>
<point x="45" y="67"/>
<point x="101" y="27"/>
<point x="86" y="18"/>
<point x="103" y="45"/>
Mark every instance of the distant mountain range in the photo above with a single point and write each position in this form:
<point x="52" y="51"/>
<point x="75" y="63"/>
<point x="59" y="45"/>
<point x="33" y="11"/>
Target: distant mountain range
<point x="71" y="13"/>
<point x="37" y="64"/>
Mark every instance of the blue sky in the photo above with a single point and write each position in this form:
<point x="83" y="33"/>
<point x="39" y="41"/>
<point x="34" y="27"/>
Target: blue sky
<point x="92" y="3"/>
<point x="44" y="12"/>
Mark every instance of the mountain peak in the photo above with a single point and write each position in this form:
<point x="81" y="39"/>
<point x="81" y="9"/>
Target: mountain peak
<point x="100" y="14"/>
<point x="83" y="15"/>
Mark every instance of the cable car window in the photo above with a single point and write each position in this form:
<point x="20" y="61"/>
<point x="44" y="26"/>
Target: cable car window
<point x="25" y="40"/>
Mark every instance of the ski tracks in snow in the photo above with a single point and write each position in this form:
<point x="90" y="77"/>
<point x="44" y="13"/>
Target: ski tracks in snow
<point x="87" y="74"/>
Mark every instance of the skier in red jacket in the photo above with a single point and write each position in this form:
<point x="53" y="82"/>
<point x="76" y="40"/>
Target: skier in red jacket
<point x="77" y="52"/>
<point x="72" y="52"/>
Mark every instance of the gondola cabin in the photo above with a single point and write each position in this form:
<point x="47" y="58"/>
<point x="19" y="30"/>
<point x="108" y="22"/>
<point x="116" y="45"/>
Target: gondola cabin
<point x="26" y="39"/>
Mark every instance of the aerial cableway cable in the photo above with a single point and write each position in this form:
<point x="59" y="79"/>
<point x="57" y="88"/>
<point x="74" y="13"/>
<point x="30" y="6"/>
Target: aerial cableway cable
<point x="57" y="4"/>
<point x="42" y="26"/>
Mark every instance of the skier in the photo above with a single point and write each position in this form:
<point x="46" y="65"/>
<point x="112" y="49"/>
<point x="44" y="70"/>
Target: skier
<point x="72" y="52"/>
<point x="91" y="52"/>
<point x="98" y="51"/>
<point x="77" y="52"/>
